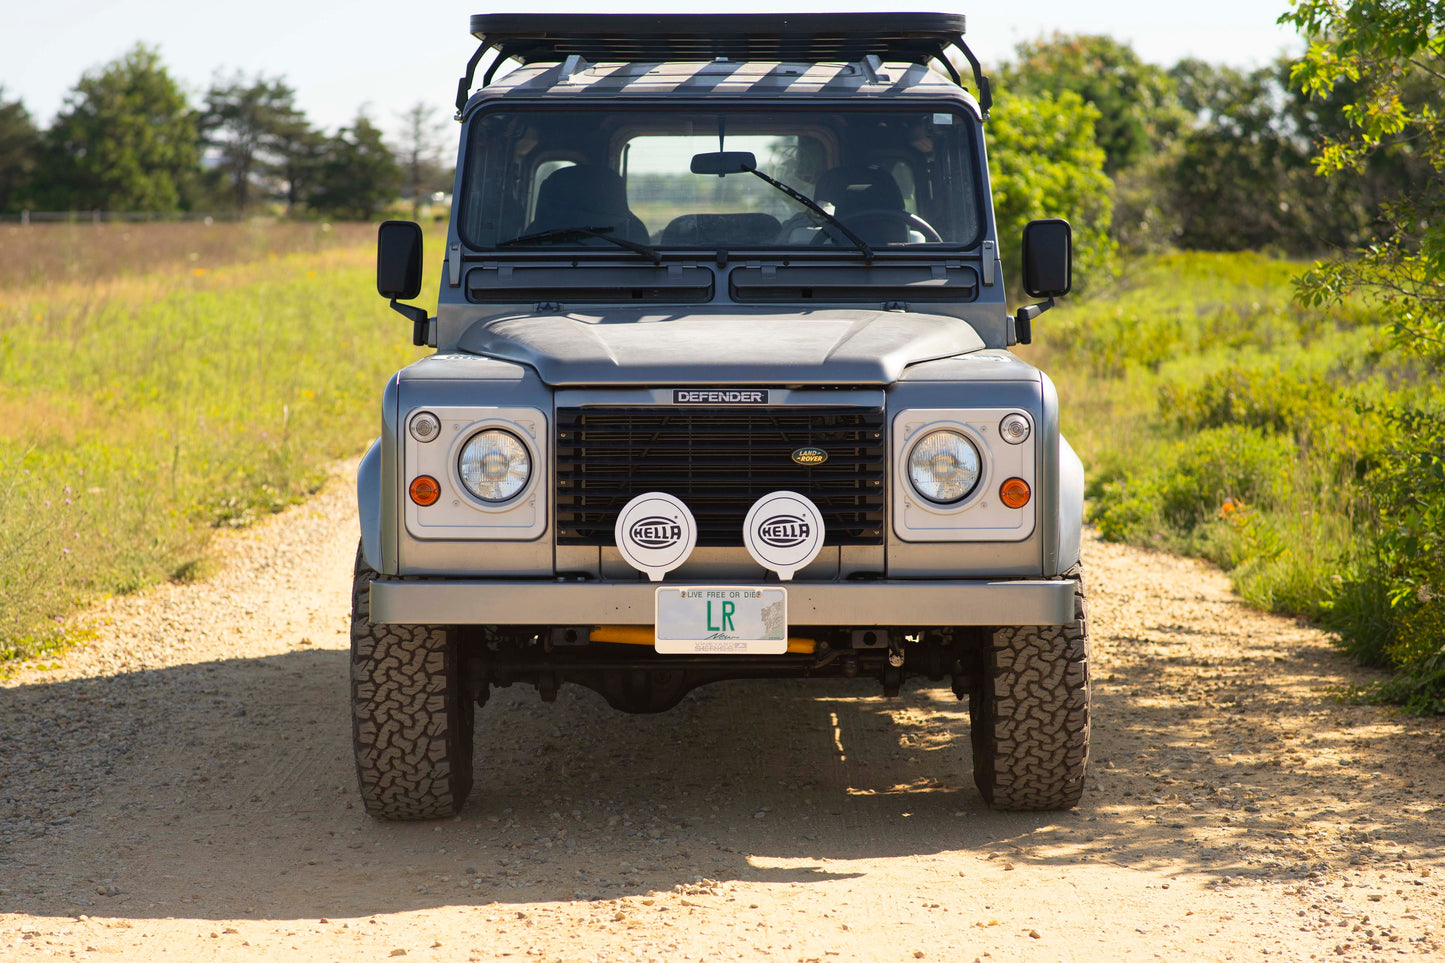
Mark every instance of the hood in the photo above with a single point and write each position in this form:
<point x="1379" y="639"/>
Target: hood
<point x="638" y="347"/>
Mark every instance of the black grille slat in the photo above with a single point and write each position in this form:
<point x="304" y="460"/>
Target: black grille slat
<point x="719" y="461"/>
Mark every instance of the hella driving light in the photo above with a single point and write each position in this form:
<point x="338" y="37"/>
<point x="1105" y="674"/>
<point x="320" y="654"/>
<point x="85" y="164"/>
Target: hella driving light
<point x="495" y="465"/>
<point x="944" y="467"/>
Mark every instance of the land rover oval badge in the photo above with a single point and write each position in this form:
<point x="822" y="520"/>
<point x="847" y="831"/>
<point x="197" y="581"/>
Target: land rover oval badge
<point x="783" y="532"/>
<point x="810" y="456"/>
<point x="655" y="533"/>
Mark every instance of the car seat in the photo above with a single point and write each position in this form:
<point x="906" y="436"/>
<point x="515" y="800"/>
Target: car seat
<point x="586" y="195"/>
<point x="868" y="200"/>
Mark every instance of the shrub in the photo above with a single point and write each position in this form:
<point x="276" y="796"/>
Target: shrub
<point x="1230" y="465"/>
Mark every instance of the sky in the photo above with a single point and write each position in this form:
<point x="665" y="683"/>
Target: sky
<point x="384" y="56"/>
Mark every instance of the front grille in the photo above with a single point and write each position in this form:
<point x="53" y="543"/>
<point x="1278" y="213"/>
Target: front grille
<point x="719" y="461"/>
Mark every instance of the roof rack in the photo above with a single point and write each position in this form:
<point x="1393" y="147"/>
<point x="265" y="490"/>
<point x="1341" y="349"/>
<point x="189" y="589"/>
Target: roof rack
<point x="918" y="38"/>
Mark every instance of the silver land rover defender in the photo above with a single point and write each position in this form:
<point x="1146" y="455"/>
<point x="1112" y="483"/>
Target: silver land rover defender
<point x="721" y="390"/>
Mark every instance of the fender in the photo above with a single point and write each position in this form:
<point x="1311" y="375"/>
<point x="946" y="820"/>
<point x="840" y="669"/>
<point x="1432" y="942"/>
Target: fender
<point x="368" y="505"/>
<point x="1071" y="506"/>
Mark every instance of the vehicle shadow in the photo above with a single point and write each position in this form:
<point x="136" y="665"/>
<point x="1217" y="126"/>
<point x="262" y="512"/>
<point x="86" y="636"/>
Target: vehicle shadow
<point x="225" y="790"/>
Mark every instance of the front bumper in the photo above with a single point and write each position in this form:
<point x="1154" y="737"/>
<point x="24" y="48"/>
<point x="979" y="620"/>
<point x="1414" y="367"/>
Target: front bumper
<point x="935" y="602"/>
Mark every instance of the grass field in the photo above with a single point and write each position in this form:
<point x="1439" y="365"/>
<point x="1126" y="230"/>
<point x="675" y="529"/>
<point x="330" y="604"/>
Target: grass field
<point x="149" y="395"/>
<point x="158" y="381"/>
<point x="1218" y="418"/>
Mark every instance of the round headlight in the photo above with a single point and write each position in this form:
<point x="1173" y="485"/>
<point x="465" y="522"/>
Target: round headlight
<point x="944" y="466"/>
<point x="495" y="465"/>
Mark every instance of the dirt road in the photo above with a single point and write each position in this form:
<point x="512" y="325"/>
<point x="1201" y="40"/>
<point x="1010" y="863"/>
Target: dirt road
<point x="183" y="790"/>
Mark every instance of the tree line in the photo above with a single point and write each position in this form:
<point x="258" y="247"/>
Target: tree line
<point x="1139" y="156"/>
<point x="1195" y="156"/>
<point x="129" y="139"/>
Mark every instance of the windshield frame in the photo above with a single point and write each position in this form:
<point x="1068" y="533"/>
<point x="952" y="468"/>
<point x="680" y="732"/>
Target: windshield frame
<point x="976" y="161"/>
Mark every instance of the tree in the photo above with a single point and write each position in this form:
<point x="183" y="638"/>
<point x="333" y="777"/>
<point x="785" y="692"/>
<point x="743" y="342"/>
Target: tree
<point x="248" y="124"/>
<point x="124" y="141"/>
<point x="421" y="133"/>
<point x="1242" y="179"/>
<point x="1387" y="57"/>
<point x="1044" y="162"/>
<point x="301" y="150"/>
<point x="19" y="146"/>
<point x="1385" y="50"/>
<point x="1136" y="101"/>
<point x="358" y="174"/>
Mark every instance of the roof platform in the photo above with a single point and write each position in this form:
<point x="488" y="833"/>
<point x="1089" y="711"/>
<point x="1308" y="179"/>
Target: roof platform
<point x="918" y="38"/>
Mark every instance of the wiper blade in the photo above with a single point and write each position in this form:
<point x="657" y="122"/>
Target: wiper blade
<point x="560" y="234"/>
<point x="813" y="206"/>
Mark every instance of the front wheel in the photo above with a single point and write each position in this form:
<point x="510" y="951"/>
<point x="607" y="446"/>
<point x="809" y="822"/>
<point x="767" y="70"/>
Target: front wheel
<point x="1029" y="713"/>
<point x="411" y="722"/>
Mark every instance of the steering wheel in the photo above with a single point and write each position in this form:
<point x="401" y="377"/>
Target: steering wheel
<point x="859" y="221"/>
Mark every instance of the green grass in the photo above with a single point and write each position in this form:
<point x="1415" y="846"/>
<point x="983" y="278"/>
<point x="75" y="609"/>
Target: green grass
<point x="143" y="412"/>
<point x="1217" y="418"/>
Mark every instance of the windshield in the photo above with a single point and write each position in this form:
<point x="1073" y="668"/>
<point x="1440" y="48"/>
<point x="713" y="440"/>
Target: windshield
<point x="896" y="178"/>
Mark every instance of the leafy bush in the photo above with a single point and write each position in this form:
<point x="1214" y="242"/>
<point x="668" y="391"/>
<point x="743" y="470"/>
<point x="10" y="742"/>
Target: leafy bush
<point x="1202" y="478"/>
<point x="1221" y="467"/>
<point x="1044" y="162"/>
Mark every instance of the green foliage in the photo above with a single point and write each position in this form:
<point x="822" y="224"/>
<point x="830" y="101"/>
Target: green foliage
<point x="19" y="149"/>
<point x="1136" y="101"/>
<point x="125" y="140"/>
<point x="1043" y="162"/>
<point x="1204" y="477"/>
<point x="1277" y="440"/>
<point x="1242" y="178"/>
<point x="253" y="125"/>
<point x="1376" y="57"/>
<point x="358" y="174"/>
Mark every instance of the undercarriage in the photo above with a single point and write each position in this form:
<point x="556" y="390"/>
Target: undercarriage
<point x="634" y="678"/>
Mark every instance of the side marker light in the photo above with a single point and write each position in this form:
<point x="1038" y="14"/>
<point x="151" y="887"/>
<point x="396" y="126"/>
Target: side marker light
<point x="1015" y="493"/>
<point x="425" y="490"/>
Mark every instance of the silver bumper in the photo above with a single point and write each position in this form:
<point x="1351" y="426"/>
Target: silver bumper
<point x="856" y="604"/>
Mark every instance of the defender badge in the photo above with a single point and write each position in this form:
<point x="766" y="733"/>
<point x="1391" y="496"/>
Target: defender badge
<point x="810" y="456"/>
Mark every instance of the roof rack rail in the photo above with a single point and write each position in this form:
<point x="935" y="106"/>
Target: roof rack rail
<point x="919" y="38"/>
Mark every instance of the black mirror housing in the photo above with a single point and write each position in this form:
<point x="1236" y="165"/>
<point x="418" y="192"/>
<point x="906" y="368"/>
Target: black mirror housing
<point x="722" y="162"/>
<point x="1048" y="257"/>
<point x="398" y="260"/>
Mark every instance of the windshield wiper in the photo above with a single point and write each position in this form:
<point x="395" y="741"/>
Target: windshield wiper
<point x="724" y="162"/>
<point x="560" y="234"/>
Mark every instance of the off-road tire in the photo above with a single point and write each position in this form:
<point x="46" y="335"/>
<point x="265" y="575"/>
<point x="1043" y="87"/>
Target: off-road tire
<point x="411" y="722"/>
<point x="1029" y="713"/>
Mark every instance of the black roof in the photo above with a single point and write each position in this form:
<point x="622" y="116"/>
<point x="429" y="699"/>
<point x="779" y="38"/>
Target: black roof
<point x="806" y="37"/>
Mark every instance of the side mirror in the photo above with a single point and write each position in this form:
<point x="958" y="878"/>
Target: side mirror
<point x="1048" y="258"/>
<point x="398" y="260"/>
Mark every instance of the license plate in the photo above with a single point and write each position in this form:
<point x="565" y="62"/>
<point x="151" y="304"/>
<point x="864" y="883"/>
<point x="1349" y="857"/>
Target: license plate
<point x="728" y="619"/>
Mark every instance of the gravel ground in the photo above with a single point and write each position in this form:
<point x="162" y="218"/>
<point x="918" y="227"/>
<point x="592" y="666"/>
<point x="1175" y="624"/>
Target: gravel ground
<point x="184" y="786"/>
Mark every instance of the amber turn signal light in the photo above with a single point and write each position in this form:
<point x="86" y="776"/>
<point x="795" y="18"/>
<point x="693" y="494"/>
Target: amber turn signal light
<point x="1015" y="493"/>
<point x="425" y="490"/>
